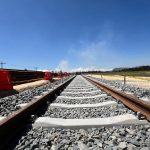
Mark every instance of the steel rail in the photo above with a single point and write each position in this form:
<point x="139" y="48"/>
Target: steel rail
<point x="10" y="125"/>
<point x="130" y="101"/>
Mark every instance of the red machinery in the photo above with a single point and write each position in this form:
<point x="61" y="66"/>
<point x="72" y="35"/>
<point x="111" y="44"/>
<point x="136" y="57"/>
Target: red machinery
<point x="66" y="74"/>
<point x="48" y="76"/>
<point x="5" y="80"/>
<point x="8" y="78"/>
<point x="59" y="74"/>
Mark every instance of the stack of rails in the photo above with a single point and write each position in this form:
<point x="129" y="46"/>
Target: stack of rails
<point x="23" y="76"/>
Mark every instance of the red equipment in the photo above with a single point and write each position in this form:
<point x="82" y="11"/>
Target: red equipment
<point x="59" y="74"/>
<point x="5" y="80"/>
<point x="66" y="74"/>
<point x="48" y="76"/>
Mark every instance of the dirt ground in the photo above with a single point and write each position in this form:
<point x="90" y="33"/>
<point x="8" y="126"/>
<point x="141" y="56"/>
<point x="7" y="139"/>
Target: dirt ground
<point x="143" y="82"/>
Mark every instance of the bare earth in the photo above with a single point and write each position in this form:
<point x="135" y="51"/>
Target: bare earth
<point x="143" y="82"/>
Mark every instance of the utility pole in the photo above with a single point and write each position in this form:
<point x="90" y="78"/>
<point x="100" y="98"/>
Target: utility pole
<point x="1" y="64"/>
<point x="124" y="79"/>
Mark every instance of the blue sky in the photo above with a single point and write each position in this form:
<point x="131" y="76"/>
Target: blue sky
<point x="74" y="34"/>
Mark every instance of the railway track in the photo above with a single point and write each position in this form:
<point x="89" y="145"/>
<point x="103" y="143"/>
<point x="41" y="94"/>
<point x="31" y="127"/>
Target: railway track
<point x="83" y="117"/>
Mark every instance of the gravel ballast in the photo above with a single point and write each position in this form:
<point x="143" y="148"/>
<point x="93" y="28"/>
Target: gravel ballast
<point x="81" y="113"/>
<point x="83" y="101"/>
<point x="73" y="94"/>
<point x="115" y="138"/>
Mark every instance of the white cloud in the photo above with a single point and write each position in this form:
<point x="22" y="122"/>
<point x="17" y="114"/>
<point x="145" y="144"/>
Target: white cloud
<point x="92" y="68"/>
<point x="63" y="66"/>
<point x="89" y="57"/>
<point x="98" y="52"/>
<point x="44" y="70"/>
<point x="91" y="54"/>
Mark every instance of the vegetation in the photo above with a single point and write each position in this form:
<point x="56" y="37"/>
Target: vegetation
<point x="135" y="71"/>
<point x="139" y="68"/>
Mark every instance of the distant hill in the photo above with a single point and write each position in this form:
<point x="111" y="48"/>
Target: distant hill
<point x="139" y="68"/>
<point x="120" y="69"/>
